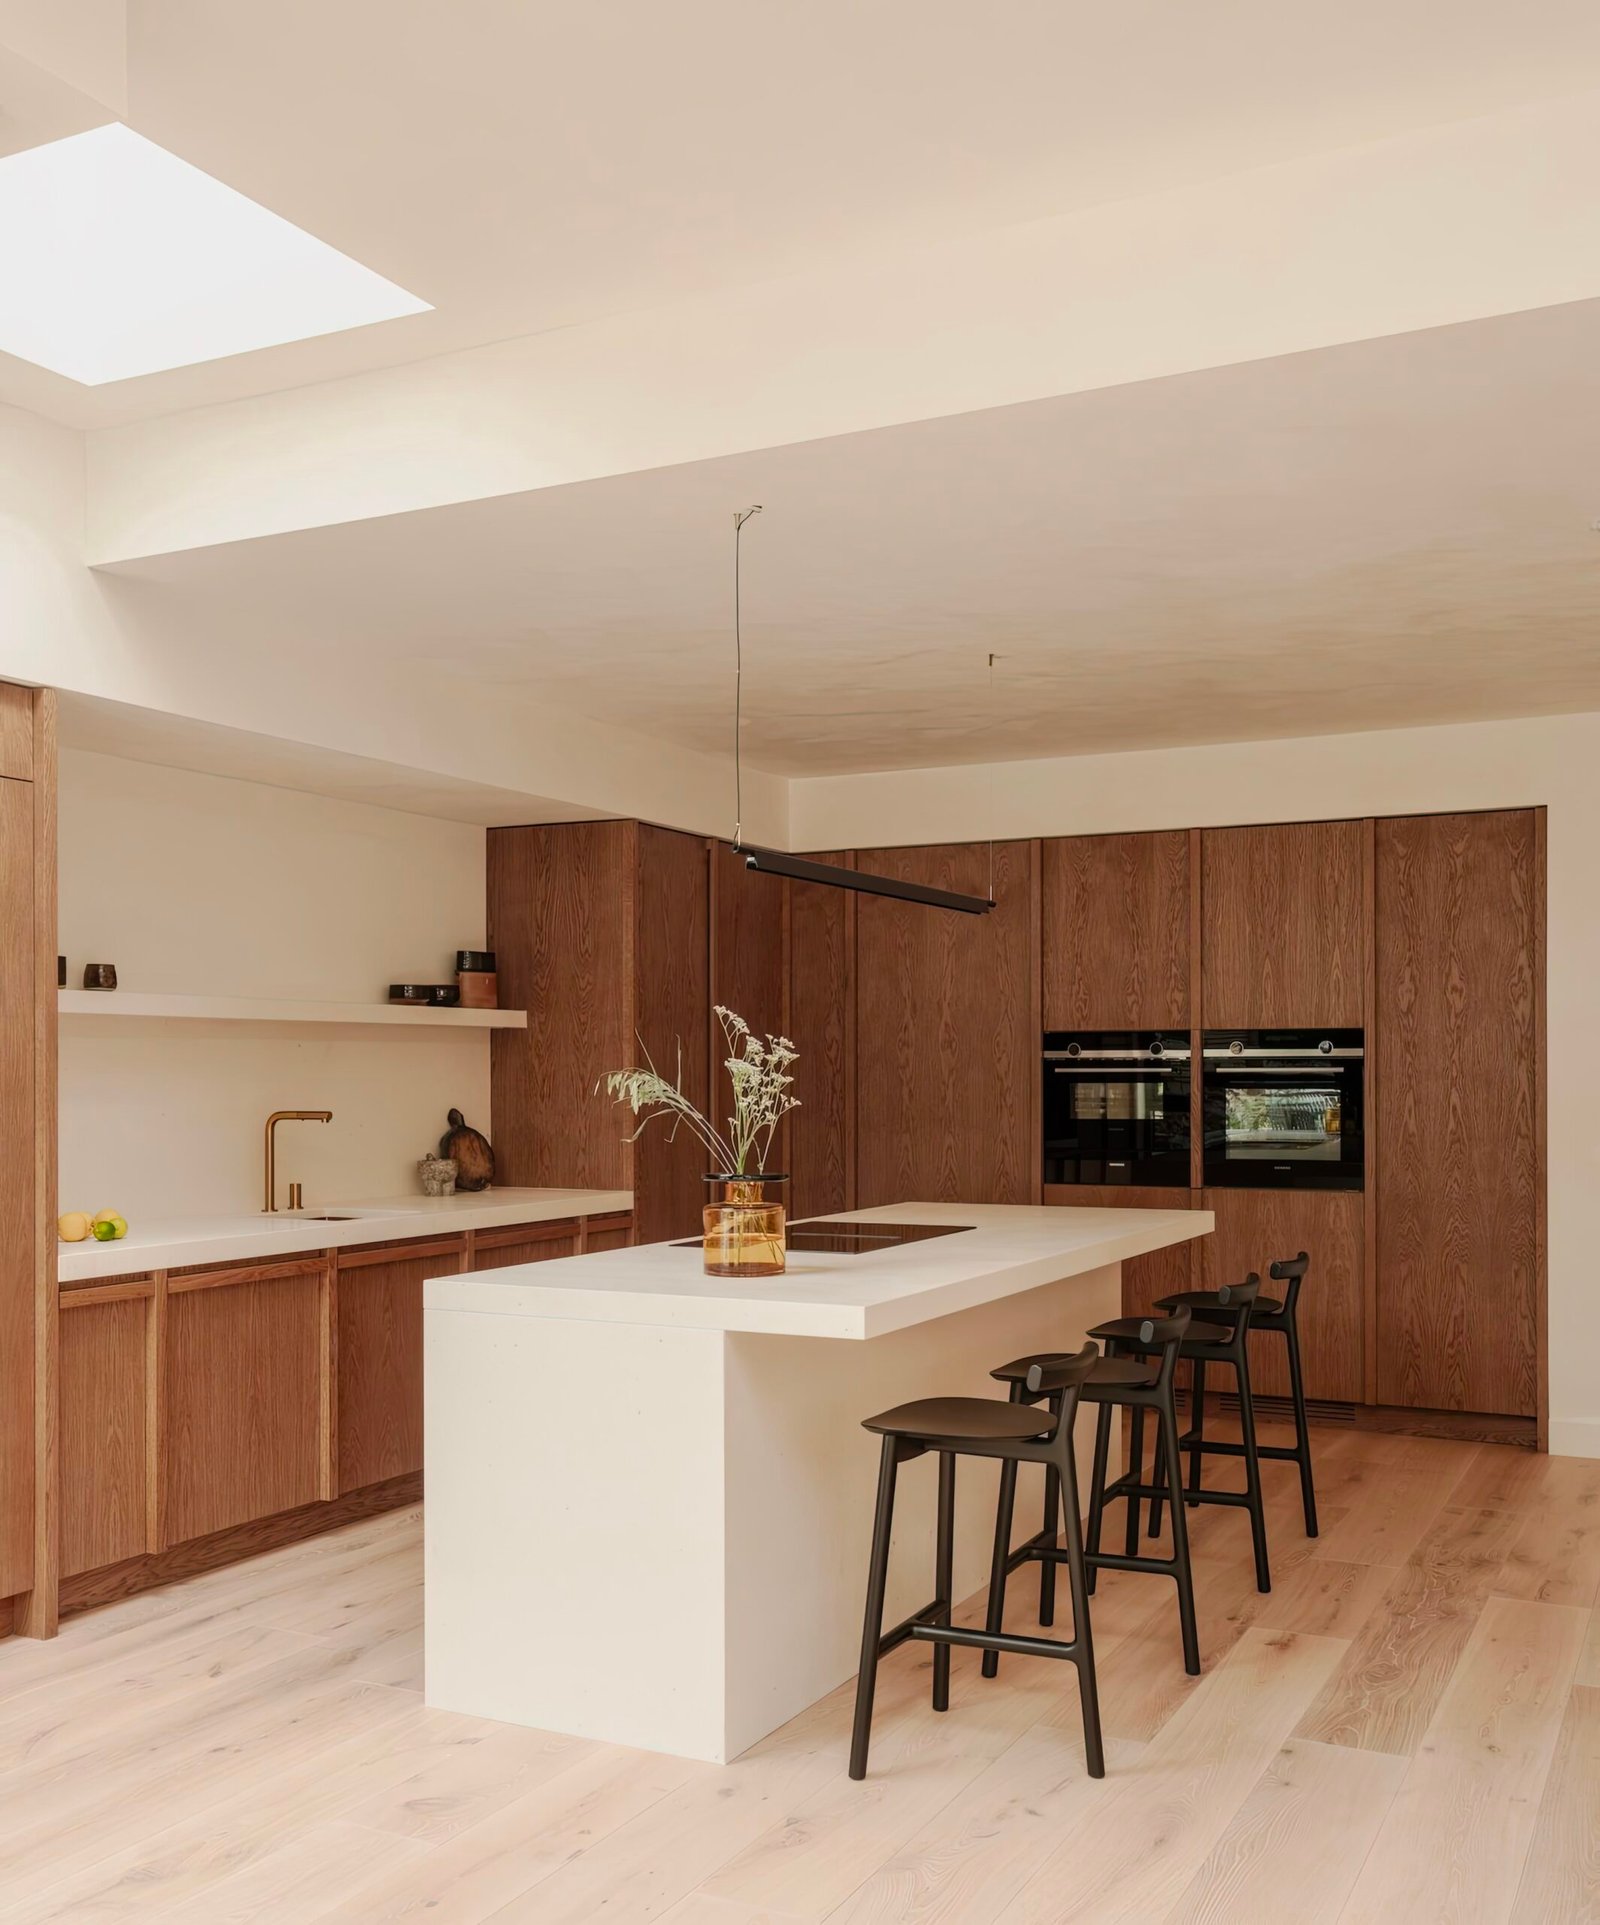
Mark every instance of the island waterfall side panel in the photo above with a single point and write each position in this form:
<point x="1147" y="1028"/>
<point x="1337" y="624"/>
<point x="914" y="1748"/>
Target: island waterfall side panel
<point x="947" y="1040"/>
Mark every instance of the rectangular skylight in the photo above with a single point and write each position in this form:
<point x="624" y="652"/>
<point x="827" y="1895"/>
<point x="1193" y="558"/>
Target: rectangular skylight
<point x="118" y="259"/>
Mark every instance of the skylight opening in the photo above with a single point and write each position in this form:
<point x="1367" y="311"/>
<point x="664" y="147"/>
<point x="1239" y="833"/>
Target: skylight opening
<point x="119" y="259"/>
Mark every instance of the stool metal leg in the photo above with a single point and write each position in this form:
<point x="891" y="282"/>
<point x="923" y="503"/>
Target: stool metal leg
<point x="944" y="1574"/>
<point x="1078" y="1579"/>
<point x="1136" y="1471"/>
<point x="1004" y="1511"/>
<point x="872" y="1628"/>
<point x="1097" y="1482"/>
<point x="1252" y="1467"/>
<point x="1052" y="1528"/>
<point x="1302" y="1430"/>
<point x="1197" y="1424"/>
<point x="1168" y="1418"/>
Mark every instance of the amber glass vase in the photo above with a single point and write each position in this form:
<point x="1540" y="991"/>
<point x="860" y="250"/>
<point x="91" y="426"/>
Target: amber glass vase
<point x="744" y="1227"/>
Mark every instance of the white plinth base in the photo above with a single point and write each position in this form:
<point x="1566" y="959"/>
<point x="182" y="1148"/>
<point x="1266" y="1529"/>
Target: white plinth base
<point x="658" y="1536"/>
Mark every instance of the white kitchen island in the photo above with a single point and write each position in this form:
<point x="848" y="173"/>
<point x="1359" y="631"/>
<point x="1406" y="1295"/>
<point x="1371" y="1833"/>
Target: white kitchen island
<point x="649" y="1496"/>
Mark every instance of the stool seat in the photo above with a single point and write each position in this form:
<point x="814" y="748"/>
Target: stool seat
<point x="1126" y="1330"/>
<point x="1109" y="1372"/>
<point x="978" y="1419"/>
<point x="1203" y="1303"/>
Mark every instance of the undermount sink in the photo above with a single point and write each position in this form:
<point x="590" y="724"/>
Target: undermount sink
<point x="312" y="1216"/>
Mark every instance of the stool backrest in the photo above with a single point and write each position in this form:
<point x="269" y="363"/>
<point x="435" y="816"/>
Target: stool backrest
<point x="1241" y="1297"/>
<point x="1169" y="1332"/>
<point x="1066" y="1376"/>
<point x="1290" y="1270"/>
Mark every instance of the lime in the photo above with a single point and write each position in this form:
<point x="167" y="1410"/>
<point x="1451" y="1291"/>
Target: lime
<point x="105" y="1232"/>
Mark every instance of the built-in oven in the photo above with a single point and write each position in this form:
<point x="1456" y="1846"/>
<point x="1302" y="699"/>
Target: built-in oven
<point x="1116" y="1107"/>
<point x="1282" y="1109"/>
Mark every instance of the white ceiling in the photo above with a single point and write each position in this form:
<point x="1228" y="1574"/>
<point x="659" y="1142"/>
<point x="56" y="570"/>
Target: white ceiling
<point x="1387" y="533"/>
<point x="523" y="165"/>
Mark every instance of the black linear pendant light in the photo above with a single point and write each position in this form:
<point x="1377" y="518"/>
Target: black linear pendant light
<point x="774" y="862"/>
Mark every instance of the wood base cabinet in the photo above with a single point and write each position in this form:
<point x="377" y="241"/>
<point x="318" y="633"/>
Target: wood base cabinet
<point x="1254" y="1229"/>
<point x="106" y="1424"/>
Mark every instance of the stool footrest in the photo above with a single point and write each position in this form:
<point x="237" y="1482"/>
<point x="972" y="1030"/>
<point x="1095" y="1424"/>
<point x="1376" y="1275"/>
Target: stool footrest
<point x="1226" y="1447"/>
<point x="908" y="1627"/>
<point x="1116" y="1561"/>
<point x="998" y="1641"/>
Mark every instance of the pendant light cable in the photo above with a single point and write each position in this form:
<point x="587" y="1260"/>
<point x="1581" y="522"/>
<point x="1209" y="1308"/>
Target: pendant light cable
<point x="739" y="521"/>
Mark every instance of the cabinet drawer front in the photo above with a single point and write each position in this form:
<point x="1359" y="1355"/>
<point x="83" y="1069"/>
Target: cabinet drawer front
<point x="524" y="1243"/>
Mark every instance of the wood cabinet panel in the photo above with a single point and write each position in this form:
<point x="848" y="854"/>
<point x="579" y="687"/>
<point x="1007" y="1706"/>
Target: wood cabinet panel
<point x="1115" y="931"/>
<point x="244" y="1395"/>
<point x="1281" y="915"/>
<point x="947" y="1042"/>
<point x="16" y="732"/>
<point x="379" y="1367"/>
<point x="608" y="1233"/>
<point x="524" y="1243"/>
<point x="103" y="1442"/>
<point x="561" y="902"/>
<point x="671" y="1011"/>
<point x="746" y="912"/>
<point x="19" y="1227"/>
<point x="1160" y="1272"/>
<point x="1254" y="1229"/>
<point x="1459" y="919"/>
<point x="821" y="1021"/>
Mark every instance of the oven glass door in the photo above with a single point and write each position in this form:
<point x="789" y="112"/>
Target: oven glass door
<point x="1284" y="1126"/>
<point x="1109" y="1123"/>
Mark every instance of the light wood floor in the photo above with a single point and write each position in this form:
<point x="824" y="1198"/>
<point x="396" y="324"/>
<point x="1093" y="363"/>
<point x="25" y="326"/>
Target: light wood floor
<point x="1407" y="1729"/>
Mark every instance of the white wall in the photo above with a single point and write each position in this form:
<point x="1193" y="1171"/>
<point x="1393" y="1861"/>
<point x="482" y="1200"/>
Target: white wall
<point x="196" y="883"/>
<point x="1554" y="761"/>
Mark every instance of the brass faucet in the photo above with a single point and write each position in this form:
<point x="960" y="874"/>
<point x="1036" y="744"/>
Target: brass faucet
<point x="285" y="1116"/>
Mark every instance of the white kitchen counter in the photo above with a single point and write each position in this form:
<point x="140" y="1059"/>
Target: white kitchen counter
<point x="171" y="1242"/>
<point x="649" y="1493"/>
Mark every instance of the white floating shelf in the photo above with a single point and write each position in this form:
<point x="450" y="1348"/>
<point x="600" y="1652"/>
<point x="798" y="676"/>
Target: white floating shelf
<point x="266" y="1009"/>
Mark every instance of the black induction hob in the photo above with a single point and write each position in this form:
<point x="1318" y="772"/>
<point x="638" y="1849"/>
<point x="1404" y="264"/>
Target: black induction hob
<point x="855" y="1239"/>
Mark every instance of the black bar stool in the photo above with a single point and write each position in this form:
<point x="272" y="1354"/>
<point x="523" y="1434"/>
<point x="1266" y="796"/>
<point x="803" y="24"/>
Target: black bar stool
<point x="1138" y="1385"/>
<point x="1224" y="1316"/>
<point x="979" y="1427"/>
<point x="1266" y="1314"/>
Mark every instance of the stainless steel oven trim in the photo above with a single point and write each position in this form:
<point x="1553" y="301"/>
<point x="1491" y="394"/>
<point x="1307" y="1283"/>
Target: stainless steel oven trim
<point x="1283" y="1055"/>
<point x="1138" y="1057"/>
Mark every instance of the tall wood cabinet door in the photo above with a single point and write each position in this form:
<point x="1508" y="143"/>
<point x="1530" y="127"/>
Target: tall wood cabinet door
<point x="1281" y="914"/>
<point x="243" y="1393"/>
<point x="1115" y="929"/>
<point x="18" y="1209"/>
<point x="1257" y="1227"/>
<point x="947" y="1032"/>
<point x="671" y="1013"/>
<point x="379" y="1361"/>
<point x="103" y="1442"/>
<point x="1459" y="911"/>
<point x="561" y="928"/>
<point x="746" y="944"/>
<point x="820" y="1019"/>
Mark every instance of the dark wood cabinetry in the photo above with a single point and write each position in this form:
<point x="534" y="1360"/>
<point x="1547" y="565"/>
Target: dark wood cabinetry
<point x="671" y="1012"/>
<point x="1281" y="914"/>
<point x="947" y="1032"/>
<point x="378" y="1356"/>
<point x="1254" y="1229"/>
<point x="820" y="1020"/>
<point x="1459" y="969"/>
<point x="1115" y="931"/>
<point x="1159" y="1273"/>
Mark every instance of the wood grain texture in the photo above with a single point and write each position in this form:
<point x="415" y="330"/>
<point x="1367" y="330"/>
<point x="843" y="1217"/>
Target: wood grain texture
<point x="1144" y="1279"/>
<point x="240" y="1541"/>
<point x="1256" y="1226"/>
<point x="746" y="944"/>
<point x="671" y="1010"/>
<point x="103" y="1413"/>
<point x="379" y="1370"/>
<point x="560" y="919"/>
<point x="19" y="1228"/>
<point x="16" y="731"/>
<point x="1562" y="1877"/>
<point x="607" y="1233"/>
<point x="524" y="1243"/>
<point x="1459" y="1173"/>
<point x="242" y="1400"/>
<point x="944" y="1036"/>
<point x="1281" y="914"/>
<point x="820" y="1020"/>
<point x="1115" y="931"/>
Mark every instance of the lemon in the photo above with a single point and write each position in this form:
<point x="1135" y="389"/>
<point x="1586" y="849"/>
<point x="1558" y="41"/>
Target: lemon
<point x="104" y="1232"/>
<point x="119" y="1224"/>
<point x="73" y="1227"/>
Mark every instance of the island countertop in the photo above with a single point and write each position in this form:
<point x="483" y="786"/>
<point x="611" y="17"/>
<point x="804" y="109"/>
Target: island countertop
<point x="1001" y="1250"/>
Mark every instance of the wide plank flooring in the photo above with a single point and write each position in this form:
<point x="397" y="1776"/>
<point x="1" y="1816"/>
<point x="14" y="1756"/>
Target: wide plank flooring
<point x="1406" y="1729"/>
